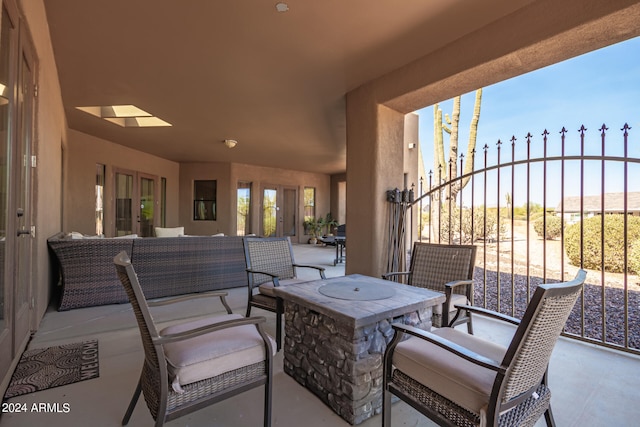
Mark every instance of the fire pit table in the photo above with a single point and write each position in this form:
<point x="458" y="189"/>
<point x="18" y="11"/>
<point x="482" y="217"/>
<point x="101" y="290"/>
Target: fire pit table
<point x="336" y="332"/>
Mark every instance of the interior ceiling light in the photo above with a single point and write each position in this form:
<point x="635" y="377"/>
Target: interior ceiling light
<point x="230" y="143"/>
<point x="128" y="116"/>
<point x="282" y="7"/>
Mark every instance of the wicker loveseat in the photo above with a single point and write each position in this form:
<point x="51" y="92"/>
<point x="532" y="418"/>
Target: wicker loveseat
<point x="165" y="266"/>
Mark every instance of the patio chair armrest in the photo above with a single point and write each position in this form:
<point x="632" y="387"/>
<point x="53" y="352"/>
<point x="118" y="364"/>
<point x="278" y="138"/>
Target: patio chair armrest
<point x="169" y="301"/>
<point x="450" y="286"/>
<point x="192" y="333"/>
<point x="488" y="313"/>
<point x="249" y="270"/>
<point x="320" y="269"/>
<point x="450" y="346"/>
<point x="274" y="277"/>
<point x="457" y="283"/>
<point x="387" y="276"/>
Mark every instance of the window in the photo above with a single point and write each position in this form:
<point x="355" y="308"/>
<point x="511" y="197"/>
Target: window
<point x="204" y="200"/>
<point x="309" y="203"/>
<point x="244" y="209"/>
<point x="100" y="174"/>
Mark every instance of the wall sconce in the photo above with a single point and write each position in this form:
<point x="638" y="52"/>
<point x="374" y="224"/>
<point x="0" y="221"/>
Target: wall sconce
<point x="230" y="143"/>
<point x="412" y="145"/>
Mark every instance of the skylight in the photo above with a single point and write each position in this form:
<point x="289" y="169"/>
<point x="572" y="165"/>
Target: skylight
<point x="128" y="116"/>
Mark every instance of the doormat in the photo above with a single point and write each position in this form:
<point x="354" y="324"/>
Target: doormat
<point x="43" y="368"/>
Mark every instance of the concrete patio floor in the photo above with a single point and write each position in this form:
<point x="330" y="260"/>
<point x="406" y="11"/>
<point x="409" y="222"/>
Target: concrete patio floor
<point x="591" y="386"/>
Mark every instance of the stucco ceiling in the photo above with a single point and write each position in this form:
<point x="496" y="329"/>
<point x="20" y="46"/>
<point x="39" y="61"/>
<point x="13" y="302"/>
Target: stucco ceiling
<point x="275" y="82"/>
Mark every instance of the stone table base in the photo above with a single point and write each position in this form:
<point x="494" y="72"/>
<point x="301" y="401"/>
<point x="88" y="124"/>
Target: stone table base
<point x="339" y="364"/>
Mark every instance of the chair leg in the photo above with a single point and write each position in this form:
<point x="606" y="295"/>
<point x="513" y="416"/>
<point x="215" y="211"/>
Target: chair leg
<point x="267" y="402"/>
<point x="159" y="421"/>
<point x="278" y="331"/>
<point x="548" y="416"/>
<point x="279" y="314"/>
<point x="469" y="324"/>
<point x="248" y="310"/>
<point x="132" y="404"/>
<point x="444" y="319"/>
<point x="386" y="406"/>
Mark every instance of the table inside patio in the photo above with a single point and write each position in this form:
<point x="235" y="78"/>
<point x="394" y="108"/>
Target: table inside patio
<point x="340" y="242"/>
<point x="336" y="332"/>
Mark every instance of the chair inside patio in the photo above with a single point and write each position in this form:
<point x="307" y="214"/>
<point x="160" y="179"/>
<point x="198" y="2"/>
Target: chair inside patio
<point x="607" y="379"/>
<point x="458" y="379"/>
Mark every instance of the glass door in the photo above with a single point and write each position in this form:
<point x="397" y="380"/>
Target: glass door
<point x="135" y="203"/>
<point x="24" y="214"/>
<point x="243" y="218"/>
<point x="17" y="106"/>
<point x="7" y="39"/>
<point x="269" y="212"/>
<point x="124" y="203"/>
<point x="146" y="215"/>
<point x="279" y="211"/>
<point x="289" y="210"/>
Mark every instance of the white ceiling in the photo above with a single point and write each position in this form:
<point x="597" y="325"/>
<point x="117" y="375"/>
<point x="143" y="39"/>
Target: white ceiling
<point x="238" y="69"/>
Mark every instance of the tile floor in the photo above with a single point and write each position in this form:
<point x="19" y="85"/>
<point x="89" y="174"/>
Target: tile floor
<point x="591" y="386"/>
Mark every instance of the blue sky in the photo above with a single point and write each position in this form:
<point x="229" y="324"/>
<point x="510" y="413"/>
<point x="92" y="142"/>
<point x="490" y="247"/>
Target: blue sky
<point x="599" y="87"/>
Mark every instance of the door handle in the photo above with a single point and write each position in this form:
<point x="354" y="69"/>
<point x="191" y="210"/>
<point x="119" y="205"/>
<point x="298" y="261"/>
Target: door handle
<point x="23" y="231"/>
<point x="20" y="212"/>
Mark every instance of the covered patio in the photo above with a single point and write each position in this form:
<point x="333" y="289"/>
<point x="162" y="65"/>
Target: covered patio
<point x="243" y="72"/>
<point x="590" y="385"/>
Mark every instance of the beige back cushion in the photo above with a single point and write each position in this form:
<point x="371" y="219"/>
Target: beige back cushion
<point x="169" y="232"/>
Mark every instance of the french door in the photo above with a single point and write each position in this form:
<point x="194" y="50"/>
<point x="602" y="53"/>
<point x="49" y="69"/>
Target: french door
<point x="279" y="211"/>
<point x="136" y="204"/>
<point x="17" y="106"/>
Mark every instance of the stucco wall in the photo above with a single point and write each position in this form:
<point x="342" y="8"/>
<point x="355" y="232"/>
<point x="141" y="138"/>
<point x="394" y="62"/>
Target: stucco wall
<point x="190" y="172"/>
<point x="375" y="164"/>
<point x="501" y="50"/>
<point x="83" y="153"/>
<point x="411" y="167"/>
<point x="50" y="134"/>
<point x="227" y="176"/>
<point x="263" y="176"/>
<point x="339" y="197"/>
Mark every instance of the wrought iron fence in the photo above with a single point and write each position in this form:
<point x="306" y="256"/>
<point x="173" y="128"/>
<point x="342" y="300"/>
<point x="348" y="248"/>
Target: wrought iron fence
<point x="556" y="204"/>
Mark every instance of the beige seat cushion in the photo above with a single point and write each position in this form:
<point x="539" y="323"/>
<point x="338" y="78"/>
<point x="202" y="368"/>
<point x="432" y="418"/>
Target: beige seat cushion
<point x="212" y="354"/>
<point x="455" y="299"/>
<point x="461" y="381"/>
<point x="267" y="288"/>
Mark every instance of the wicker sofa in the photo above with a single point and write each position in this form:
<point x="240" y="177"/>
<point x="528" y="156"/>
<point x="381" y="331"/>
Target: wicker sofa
<point x="165" y="266"/>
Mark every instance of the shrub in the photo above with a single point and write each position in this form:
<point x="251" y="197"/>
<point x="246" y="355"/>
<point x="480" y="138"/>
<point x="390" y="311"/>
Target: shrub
<point x="463" y="233"/>
<point x="520" y="212"/>
<point x="554" y="225"/>
<point x="613" y="243"/>
<point x="634" y="258"/>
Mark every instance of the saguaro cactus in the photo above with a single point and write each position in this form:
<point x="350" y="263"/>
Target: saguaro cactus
<point x="446" y="169"/>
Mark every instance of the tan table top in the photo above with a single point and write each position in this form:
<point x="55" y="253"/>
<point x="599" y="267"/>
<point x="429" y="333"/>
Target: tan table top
<point x="358" y="313"/>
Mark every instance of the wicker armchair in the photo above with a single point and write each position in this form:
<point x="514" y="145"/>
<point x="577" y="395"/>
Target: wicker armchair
<point x="447" y="269"/>
<point x="197" y="363"/>
<point x="270" y="263"/>
<point x="455" y="378"/>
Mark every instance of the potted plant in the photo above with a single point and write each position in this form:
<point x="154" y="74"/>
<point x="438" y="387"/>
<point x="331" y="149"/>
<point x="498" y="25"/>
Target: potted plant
<point x="329" y="224"/>
<point x="313" y="227"/>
